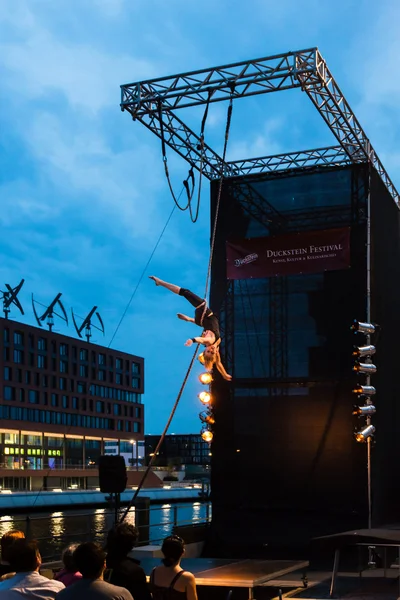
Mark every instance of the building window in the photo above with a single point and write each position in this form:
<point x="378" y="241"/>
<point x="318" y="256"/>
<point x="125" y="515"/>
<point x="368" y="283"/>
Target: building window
<point x="6" y="353"/>
<point x="127" y="425"/>
<point x="83" y="370"/>
<point x="81" y="387"/>
<point x="63" y="366"/>
<point x="44" y="381"/>
<point x="18" y="356"/>
<point x="118" y="378"/>
<point x="63" y="383"/>
<point x="33" y="397"/>
<point x="7" y="374"/>
<point x="27" y="376"/>
<point x="118" y="363"/>
<point x="31" y="359"/>
<point x="54" y="399"/>
<point x="65" y="402"/>
<point x="136" y="427"/>
<point x="117" y="409"/>
<point x="102" y="359"/>
<point x="137" y="412"/>
<point x="44" y="398"/>
<point x="31" y="342"/>
<point x="135" y="368"/>
<point x="41" y="361"/>
<point x="63" y="350"/>
<point x="9" y="392"/>
<point x="83" y="354"/>
<point x="135" y="382"/>
<point x="120" y="425"/>
<point x="18" y="338"/>
<point x="99" y="406"/>
<point x="6" y="335"/>
<point x="100" y="376"/>
<point x="42" y="344"/>
<point x="75" y="403"/>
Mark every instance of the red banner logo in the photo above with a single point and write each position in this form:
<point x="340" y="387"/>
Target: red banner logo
<point x="292" y="254"/>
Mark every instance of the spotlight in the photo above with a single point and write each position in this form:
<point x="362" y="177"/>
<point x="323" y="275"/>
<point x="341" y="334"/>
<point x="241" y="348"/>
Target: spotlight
<point x="364" y="368"/>
<point x="364" y="434"/>
<point x="206" y="418"/>
<point x="205" y="378"/>
<point x="201" y="358"/>
<point x="365" y="390"/>
<point x="205" y="397"/>
<point x="364" y="351"/>
<point x="367" y="328"/>
<point x="207" y="435"/>
<point x="360" y="411"/>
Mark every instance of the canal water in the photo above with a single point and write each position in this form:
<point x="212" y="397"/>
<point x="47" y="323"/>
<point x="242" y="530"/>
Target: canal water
<point x="55" y="530"/>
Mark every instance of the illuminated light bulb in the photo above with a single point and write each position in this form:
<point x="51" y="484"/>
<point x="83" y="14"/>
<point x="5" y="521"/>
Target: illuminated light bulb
<point x="201" y="358"/>
<point x="364" y="434"/>
<point x="207" y="435"/>
<point x="205" y="397"/>
<point x="205" y="378"/>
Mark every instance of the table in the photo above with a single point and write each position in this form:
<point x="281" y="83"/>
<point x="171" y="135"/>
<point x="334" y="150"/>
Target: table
<point x="384" y="538"/>
<point x="233" y="573"/>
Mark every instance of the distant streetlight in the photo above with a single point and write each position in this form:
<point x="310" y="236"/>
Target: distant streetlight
<point x="133" y="442"/>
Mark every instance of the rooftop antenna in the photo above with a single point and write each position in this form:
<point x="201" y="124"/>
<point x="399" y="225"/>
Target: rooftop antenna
<point x="9" y="297"/>
<point x="50" y="312"/>
<point x="87" y="323"/>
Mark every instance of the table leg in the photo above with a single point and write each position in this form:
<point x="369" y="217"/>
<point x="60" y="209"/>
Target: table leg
<point x="251" y="594"/>
<point x="334" y="571"/>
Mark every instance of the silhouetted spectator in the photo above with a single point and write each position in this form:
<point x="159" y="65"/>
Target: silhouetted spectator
<point x="90" y="560"/>
<point x="169" y="580"/>
<point x="121" y="569"/>
<point x="6" y="542"/>
<point x="27" y="583"/>
<point x="69" y="574"/>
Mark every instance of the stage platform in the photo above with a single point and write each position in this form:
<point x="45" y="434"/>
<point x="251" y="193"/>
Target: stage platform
<point x="249" y="574"/>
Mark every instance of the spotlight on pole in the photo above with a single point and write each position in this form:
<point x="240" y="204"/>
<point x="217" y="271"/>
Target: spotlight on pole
<point x="367" y="368"/>
<point x="364" y="434"/>
<point x="207" y="435"/>
<point x="204" y="397"/>
<point x="364" y="390"/>
<point x="361" y="351"/>
<point x="206" y="418"/>
<point x="364" y="411"/>
<point x="366" y="328"/>
<point x="205" y="378"/>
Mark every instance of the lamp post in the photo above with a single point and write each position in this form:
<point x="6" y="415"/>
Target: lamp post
<point x="133" y="445"/>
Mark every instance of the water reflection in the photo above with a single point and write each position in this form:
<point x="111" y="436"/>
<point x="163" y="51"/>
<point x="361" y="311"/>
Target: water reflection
<point x="68" y="526"/>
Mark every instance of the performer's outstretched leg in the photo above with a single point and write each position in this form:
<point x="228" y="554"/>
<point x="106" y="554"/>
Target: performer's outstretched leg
<point x="169" y="286"/>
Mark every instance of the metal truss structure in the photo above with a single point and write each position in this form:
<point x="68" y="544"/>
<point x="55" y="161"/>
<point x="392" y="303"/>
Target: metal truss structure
<point x="153" y="101"/>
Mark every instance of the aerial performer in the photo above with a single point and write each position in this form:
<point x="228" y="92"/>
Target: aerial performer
<point x="206" y="319"/>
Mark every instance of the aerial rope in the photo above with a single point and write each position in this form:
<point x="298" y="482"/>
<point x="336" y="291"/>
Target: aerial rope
<point x="189" y="183"/>
<point x="152" y="458"/>
<point x="212" y="247"/>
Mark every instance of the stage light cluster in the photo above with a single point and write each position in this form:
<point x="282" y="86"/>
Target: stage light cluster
<point x="205" y="397"/>
<point x="365" y="408"/>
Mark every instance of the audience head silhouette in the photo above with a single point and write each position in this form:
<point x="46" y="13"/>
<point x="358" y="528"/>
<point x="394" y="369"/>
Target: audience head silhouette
<point x="90" y="560"/>
<point x="7" y="541"/>
<point x="121" y="539"/>
<point x="24" y="556"/>
<point x="173" y="549"/>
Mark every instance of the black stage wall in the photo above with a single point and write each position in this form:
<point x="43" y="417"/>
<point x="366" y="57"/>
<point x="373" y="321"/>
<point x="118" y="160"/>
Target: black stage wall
<point x="285" y="466"/>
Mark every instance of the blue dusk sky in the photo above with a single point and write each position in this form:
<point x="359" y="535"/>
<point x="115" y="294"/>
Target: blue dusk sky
<point x="83" y="192"/>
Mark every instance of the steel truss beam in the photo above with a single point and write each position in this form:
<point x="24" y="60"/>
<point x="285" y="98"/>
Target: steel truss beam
<point x="305" y="69"/>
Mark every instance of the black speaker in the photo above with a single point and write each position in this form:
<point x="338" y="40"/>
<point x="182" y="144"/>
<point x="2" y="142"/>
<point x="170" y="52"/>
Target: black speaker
<point x="112" y="474"/>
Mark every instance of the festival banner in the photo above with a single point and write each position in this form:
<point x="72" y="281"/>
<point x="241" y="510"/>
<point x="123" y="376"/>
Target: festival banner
<point x="291" y="254"/>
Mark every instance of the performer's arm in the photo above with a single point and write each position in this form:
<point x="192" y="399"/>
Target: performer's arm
<point x="196" y="340"/>
<point x="185" y="318"/>
<point x="221" y="368"/>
